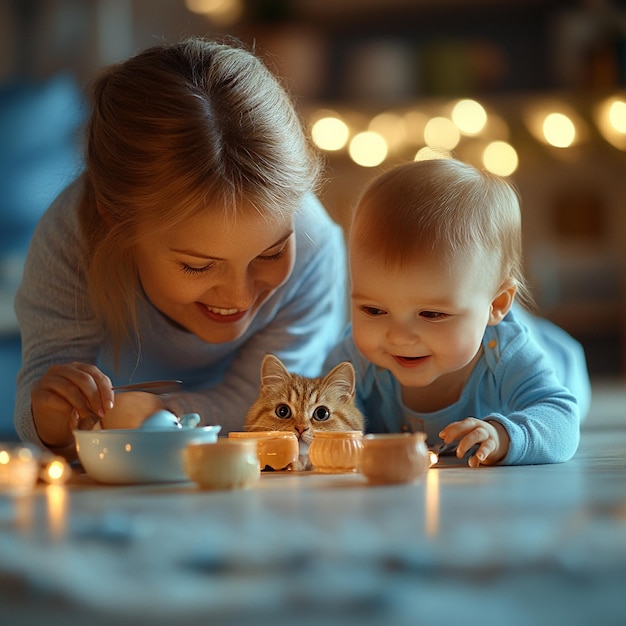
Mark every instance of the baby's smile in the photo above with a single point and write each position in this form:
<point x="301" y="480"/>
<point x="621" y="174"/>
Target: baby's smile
<point x="409" y="361"/>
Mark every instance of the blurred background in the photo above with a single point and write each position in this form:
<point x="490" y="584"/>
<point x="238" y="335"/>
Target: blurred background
<point x="531" y="89"/>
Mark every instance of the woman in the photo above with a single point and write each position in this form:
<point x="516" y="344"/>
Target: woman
<point x="190" y="247"/>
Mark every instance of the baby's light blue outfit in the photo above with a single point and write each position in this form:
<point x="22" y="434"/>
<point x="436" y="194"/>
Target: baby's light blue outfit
<point x="299" y="323"/>
<point x="531" y="377"/>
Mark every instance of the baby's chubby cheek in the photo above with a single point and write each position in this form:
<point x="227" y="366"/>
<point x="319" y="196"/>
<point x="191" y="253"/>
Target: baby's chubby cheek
<point x="365" y="344"/>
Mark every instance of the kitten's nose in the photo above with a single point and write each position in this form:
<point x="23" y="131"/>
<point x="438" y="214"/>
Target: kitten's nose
<point x="300" y="430"/>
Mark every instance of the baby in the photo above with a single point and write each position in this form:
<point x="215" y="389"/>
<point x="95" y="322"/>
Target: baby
<point x="437" y="339"/>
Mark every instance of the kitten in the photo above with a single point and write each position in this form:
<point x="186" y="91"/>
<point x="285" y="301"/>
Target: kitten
<point x="304" y="405"/>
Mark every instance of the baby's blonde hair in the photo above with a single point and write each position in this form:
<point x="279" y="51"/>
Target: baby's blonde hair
<point x="177" y="130"/>
<point x="441" y="207"/>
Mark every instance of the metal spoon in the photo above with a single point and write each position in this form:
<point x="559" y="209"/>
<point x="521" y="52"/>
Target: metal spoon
<point x="152" y="386"/>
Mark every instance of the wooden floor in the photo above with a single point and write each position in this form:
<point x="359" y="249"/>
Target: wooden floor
<point x="527" y="546"/>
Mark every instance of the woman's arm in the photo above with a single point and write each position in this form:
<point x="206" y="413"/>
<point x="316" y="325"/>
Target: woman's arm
<point x="58" y="381"/>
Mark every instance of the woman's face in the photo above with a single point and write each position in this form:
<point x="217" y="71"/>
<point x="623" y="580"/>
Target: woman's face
<point x="212" y="274"/>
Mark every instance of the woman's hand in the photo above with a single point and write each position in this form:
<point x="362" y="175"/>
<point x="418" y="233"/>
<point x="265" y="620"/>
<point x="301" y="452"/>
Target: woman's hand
<point x="130" y="409"/>
<point x="66" y="394"/>
<point x="490" y="437"/>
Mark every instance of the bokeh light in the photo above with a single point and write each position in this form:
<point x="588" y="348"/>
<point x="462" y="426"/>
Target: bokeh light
<point x="559" y="130"/>
<point x="222" y="12"/>
<point x="428" y="154"/>
<point x="610" y="118"/>
<point x="330" y="133"/>
<point x="442" y="133"/>
<point x="368" y="149"/>
<point x="617" y="115"/>
<point x="500" y="158"/>
<point x="469" y="116"/>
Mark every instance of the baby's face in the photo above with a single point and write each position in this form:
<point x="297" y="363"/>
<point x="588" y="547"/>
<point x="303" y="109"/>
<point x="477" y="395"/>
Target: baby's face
<point x="423" y="320"/>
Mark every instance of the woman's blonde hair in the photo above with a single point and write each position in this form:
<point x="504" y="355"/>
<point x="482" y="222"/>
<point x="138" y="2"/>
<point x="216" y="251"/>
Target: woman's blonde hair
<point x="176" y="130"/>
<point x="443" y="207"/>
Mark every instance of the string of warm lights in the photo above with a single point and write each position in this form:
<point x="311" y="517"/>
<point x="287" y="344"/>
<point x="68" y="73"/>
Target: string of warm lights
<point x="370" y="142"/>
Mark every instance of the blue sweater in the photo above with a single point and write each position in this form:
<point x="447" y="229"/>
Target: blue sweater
<point x="299" y="323"/>
<point x="531" y="377"/>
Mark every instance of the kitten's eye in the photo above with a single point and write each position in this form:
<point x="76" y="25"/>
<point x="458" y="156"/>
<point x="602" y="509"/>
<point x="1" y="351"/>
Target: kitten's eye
<point x="321" y="414"/>
<point x="283" y="411"/>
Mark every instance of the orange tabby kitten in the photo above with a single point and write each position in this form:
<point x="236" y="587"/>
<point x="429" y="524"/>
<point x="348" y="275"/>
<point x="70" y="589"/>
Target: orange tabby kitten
<point x="304" y="405"/>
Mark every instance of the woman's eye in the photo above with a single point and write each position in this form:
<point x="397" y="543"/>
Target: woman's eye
<point x="283" y="411"/>
<point x="194" y="271"/>
<point x="321" y="414"/>
<point x="274" y="257"/>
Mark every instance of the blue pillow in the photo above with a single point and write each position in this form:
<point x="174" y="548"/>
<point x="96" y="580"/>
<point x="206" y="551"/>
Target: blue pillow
<point x="40" y="152"/>
<point x="36" y="115"/>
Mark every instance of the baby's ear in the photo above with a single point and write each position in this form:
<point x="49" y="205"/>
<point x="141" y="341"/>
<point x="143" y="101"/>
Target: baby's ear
<point x="273" y="372"/>
<point x="502" y="302"/>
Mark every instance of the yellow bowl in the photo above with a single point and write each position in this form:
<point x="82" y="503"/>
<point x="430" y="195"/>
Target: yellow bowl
<point x="393" y="458"/>
<point x="225" y="464"/>
<point x="277" y="449"/>
<point x="336" y="451"/>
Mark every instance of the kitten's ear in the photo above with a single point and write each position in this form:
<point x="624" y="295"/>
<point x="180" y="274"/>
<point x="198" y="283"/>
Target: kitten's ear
<point x="273" y="372"/>
<point x="342" y="378"/>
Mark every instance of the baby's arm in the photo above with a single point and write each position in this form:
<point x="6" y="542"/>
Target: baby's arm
<point x="533" y="413"/>
<point x="491" y="438"/>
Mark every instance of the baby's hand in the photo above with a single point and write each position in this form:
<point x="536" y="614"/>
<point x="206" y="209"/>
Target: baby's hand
<point x="490" y="437"/>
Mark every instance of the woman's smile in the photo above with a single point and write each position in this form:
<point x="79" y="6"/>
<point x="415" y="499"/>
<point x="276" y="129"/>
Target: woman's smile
<point x="222" y="316"/>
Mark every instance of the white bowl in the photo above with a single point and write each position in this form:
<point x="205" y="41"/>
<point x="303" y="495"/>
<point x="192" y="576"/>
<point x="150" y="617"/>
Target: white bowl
<point x="138" y="455"/>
